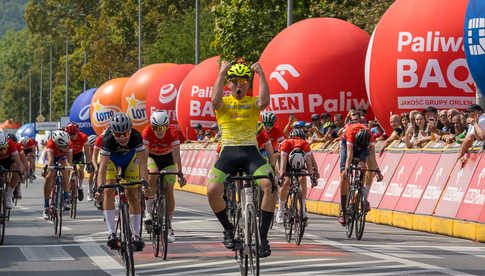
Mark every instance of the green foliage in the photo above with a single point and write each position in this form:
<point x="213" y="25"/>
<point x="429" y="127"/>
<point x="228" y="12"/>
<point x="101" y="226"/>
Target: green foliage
<point x="11" y="15"/>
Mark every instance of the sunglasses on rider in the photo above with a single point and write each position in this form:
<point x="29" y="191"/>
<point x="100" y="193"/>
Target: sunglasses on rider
<point x="239" y="80"/>
<point x="123" y="134"/>
<point x="268" y="124"/>
<point x="160" y="128"/>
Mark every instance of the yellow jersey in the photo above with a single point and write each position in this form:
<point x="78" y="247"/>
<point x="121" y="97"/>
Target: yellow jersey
<point x="238" y="120"/>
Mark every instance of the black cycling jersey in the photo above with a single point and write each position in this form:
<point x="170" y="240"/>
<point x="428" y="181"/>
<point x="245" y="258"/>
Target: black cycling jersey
<point x="110" y="146"/>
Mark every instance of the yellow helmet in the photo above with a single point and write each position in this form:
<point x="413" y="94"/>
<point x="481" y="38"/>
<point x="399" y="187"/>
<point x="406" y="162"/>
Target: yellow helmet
<point x="239" y="70"/>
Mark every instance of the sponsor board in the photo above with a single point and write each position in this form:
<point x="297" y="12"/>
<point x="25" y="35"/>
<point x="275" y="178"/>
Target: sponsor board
<point x="417" y="182"/>
<point x="46" y="126"/>
<point x="456" y="187"/>
<point x="332" y="186"/>
<point x="326" y="163"/>
<point x="474" y="199"/>
<point x="388" y="165"/>
<point x="399" y="181"/>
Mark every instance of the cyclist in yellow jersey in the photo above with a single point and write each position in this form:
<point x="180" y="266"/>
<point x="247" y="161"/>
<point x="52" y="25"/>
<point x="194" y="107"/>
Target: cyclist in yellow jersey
<point x="237" y="116"/>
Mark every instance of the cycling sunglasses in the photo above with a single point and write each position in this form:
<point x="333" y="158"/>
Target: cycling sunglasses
<point x="123" y="134"/>
<point x="268" y="124"/>
<point x="160" y="128"/>
<point x="239" y="80"/>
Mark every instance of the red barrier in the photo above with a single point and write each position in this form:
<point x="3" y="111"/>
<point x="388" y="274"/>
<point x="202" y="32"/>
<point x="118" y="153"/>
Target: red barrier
<point x="417" y="182"/>
<point x="474" y="199"/>
<point x="399" y="180"/>
<point x="435" y="186"/>
<point x="191" y="157"/>
<point x="375" y="184"/>
<point x="330" y="190"/>
<point x="456" y="187"/>
<point x="196" y="177"/>
<point x="388" y="165"/>
<point x="326" y="162"/>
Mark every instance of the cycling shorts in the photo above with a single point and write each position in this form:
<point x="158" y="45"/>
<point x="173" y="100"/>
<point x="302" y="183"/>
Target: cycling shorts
<point x="162" y="162"/>
<point x="233" y="158"/>
<point x="7" y="162"/>
<point x="27" y="151"/>
<point x="78" y="157"/>
<point x="361" y="154"/>
<point x="128" y="164"/>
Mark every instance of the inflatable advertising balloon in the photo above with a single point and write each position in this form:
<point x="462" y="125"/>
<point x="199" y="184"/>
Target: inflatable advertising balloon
<point x="415" y="59"/>
<point x="80" y="111"/>
<point x="474" y="39"/>
<point x="163" y="92"/>
<point x="106" y="102"/>
<point x="135" y="92"/>
<point x="27" y="130"/>
<point x="194" y="104"/>
<point x="315" y="66"/>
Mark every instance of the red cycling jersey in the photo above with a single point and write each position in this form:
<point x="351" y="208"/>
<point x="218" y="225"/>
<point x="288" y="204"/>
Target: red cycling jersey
<point x="161" y="146"/>
<point x="294" y="142"/>
<point x="11" y="150"/>
<point x="276" y="136"/>
<point x="352" y="130"/>
<point x="98" y="142"/>
<point x="30" y="144"/>
<point x="263" y="138"/>
<point x="20" y="147"/>
<point x="58" y="152"/>
<point x="78" y="144"/>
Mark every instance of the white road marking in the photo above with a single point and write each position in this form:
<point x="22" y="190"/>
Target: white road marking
<point x="86" y="220"/>
<point x="167" y="262"/>
<point x="400" y="272"/>
<point x="49" y="254"/>
<point x="262" y="264"/>
<point x="319" y="265"/>
<point x="414" y="256"/>
<point x="103" y="260"/>
<point x="351" y="269"/>
<point x="201" y="264"/>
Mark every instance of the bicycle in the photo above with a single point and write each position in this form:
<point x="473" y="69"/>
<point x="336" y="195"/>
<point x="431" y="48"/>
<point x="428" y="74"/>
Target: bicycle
<point x="56" y="206"/>
<point x="4" y="212"/>
<point x="246" y="230"/>
<point x="123" y="230"/>
<point x="356" y="205"/>
<point x="74" y="184"/>
<point x="160" y="216"/>
<point x="29" y="179"/>
<point x="293" y="217"/>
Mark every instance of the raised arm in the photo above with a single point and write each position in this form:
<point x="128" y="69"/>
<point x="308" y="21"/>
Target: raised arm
<point x="219" y="85"/>
<point x="263" y="100"/>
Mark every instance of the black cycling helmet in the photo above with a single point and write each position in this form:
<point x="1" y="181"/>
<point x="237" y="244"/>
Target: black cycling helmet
<point x="297" y="132"/>
<point x="362" y="138"/>
<point x="198" y="126"/>
<point x="315" y="117"/>
<point x="12" y="137"/>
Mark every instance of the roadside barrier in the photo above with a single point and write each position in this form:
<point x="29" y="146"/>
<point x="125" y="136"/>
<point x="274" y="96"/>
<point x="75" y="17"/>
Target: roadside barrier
<point x="423" y="189"/>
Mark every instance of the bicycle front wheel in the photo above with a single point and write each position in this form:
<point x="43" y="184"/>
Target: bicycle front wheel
<point x="156" y="226"/>
<point x="288" y="218"/>
<point x="165" y="219"/>
<point x="299" y="222"/>
<point x="59" y="209"/>
<point x="127" y="241"/>
<point x="74" y="196"/>
<point x="3" y="215"/>
<point x="253" y="245"/>
<point x="360" y="213"/>
<point x="350" y="216"/>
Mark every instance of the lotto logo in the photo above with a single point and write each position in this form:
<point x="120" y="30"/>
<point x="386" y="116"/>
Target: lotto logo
<point x="477" y="43"/>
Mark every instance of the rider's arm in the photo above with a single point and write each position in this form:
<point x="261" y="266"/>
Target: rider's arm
<point x="350" y="155"/>
<point x="143" y="157"/>
<point x="69" y="158"/>
<point x="176" y="157"/>
<point x="50" y="158"/>
<point x="269" y="149"/>
<point x="263" y="100"/>
<point x="103" y="165"/>
<point x="218" y="91"/>
<point x="18" y="163"/>
<point x="87" y="151"/>
<point x="283" y="162"/>
<point x="94" y="158"/>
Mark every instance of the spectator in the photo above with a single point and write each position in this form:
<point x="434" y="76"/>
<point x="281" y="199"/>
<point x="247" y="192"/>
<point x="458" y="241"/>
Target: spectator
<point x="443" y="119"/>
<point x="200" y="132"/>
<point x="451" y="112"/>
<point x="418" y="134"/>
<point x="316" y="121"/>
<point x="363" y="116"/>
<point x="397" y="133"/>
<point x="432" y="112"/>
<point x="476" y="130"/>
<point x="377" y="130"/>
<point x="216" y="131"/>
<point x="404" y="121"/>
<point x="459" y="130"/>
<point x="326" y="121"/>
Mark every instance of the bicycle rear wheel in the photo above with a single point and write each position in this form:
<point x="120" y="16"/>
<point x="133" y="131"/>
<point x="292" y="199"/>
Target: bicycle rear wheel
<point x="360" y="213"/>
<point x="165" y="224"/>
<point x="253" y="246"/>
<point x="3" y="215"/>
<point x="299" y="222"/>
<point x="240" y="255"/>
<point x="127" y="241"/>
<point x="288" y="218"/>
<point x="156" y="226"/>
<point x="73" y="182"/>
<point x="350" y="216"/>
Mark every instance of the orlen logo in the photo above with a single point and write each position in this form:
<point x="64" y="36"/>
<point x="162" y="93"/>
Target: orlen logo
<point x="84" y="113"/>
<point x="477" y="45"/>
<point x="167" y="93"/>
<point x="280" y="72"/>
<point x="102" y="114"/>
<point x="136" y="110"/>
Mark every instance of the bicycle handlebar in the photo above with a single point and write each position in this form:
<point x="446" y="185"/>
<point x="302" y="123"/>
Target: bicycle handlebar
<point x="163" y="173"/>
<point x="296" y="173"/>
<point x="60" y="167"/>
<point x="248" y="177"/>
<point x="120" y="185"/>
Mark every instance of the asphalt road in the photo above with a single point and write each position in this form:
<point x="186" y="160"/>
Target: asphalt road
<point x="30" y="247"/>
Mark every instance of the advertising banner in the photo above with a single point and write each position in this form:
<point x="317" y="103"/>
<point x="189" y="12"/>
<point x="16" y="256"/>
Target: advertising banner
<point x="417" y="182"/>
<point x="105" y="103"/>
<point x="79" y="112"/>
<point x="332" y="186"/>
<point x="388" y="165"/>
<point x="307" y="75"/>
<point x="325" y="167"/>
<point x="474" y="200"/>
<point x="456" y="187"/>
<point x="191" y="157"/>
<point x="415" y="59"/>
<point x="399" y="180"/>
<point x="474" y="41"/>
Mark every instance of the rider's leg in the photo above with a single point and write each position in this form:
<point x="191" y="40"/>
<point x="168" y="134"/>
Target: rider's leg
<point x="109" y="207"/>
<point x="65" y="179"/>
<point x="49" y="180"/>
<point x="152" y="188"/>
<point x="215" y="189"/>
<point x="135" y="210"/>
<point x="303" y="187"/>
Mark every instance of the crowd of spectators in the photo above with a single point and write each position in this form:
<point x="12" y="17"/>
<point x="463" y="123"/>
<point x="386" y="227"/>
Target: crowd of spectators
<point x="414" y="129"/>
